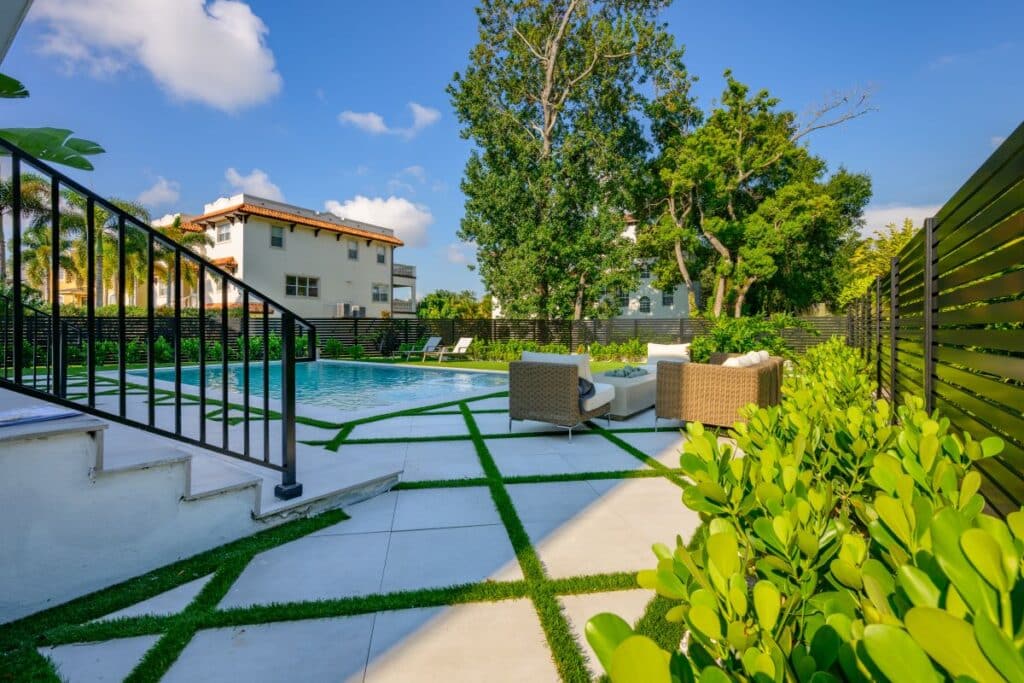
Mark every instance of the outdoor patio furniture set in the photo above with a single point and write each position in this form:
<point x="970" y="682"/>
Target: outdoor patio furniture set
<point x="559" y="389"/>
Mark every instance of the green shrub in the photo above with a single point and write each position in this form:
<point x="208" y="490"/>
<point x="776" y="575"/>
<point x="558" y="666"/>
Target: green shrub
<point x="333" y="348"/>
<point x="356" y="351"/>
<point x="838" y="547"/>
<point x="740" y="335"/>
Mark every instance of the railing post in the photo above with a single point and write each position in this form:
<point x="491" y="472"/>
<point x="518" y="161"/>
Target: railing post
<point x="930" y="308"/>
<point x="894" y="314"/>
<point x="56" y="329"/>
<point x="288" y="488"/>
<point x="18" y="333"/>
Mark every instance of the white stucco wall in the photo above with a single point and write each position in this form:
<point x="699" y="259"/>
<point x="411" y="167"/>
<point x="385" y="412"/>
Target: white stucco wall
<point x="342" y="280"/>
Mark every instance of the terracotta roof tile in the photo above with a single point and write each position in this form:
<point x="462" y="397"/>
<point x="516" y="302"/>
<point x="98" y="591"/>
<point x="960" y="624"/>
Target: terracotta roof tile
<point x="284" y="216"/>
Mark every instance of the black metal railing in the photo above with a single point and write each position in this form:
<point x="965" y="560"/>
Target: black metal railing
<point x="224" y="343"/>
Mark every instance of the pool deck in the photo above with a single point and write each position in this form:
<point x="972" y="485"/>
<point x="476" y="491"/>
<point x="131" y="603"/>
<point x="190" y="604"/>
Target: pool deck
<point x="536" y="532"/>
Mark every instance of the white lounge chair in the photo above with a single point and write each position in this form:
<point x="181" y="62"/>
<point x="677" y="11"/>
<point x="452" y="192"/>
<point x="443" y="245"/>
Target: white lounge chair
<point x="428" y="347"/>
<point x="461" y="348"/>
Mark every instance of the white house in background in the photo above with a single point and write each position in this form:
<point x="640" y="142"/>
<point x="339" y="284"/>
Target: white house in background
<point x="316" y="264"/>
<point x="647" y="301"/>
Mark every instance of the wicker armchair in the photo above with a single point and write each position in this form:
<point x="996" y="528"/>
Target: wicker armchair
<point x="548" y="392"/>
<point x="712" y="394"/>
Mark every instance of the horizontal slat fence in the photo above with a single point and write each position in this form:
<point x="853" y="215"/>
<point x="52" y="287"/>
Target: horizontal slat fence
<point x="947" y="323"/>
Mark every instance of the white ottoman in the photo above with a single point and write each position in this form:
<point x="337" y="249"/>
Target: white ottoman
<point x="632" y="394"/>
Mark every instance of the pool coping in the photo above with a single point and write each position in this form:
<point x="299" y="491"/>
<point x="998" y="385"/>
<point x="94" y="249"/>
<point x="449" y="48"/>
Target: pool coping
<point x="303" y="409"/>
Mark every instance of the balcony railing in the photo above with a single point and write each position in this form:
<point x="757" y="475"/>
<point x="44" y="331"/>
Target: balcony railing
<point x="107" y="248"/>
<point x="402" y="270"/>
<point x="403" y="306"/>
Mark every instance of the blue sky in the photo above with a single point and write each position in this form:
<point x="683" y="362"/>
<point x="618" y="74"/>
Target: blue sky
<point x="191" y="107"/>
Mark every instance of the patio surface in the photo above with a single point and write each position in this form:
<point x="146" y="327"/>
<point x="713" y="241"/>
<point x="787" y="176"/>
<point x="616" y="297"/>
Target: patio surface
<point x="483" y="564"/>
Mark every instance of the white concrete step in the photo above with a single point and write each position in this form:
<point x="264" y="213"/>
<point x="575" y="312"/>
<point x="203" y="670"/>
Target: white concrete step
<point x="210" y="476"/>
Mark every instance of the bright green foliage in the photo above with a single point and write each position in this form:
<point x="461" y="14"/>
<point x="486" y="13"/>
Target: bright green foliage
<point x="751" y="333"/>
<point x="443" y="304"/>
<point x="872" y="258"/>
<point x="49" y="144"/>
<point x="741" y="183"/>
<point x="553" y="99"/>
<point x="838" y="546"/>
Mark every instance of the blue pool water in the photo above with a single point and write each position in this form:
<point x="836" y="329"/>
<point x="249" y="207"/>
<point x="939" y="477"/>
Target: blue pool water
<point x="349" y="386"/>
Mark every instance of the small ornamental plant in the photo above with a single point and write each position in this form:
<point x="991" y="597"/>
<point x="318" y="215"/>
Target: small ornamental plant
<point x="837" y="544"/>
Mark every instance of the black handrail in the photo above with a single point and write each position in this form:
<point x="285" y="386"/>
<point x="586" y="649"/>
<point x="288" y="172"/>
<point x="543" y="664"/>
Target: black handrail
<point x="212" y="282"/>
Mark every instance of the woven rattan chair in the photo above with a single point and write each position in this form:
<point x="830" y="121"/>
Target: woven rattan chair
<point x="548" y="392"/>
<point x="712" y="394"/>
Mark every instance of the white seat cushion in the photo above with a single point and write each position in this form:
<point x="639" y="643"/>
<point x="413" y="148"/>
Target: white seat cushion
<point x="603" y="393"/>
<point x="734" y="362"/>
<point x="581" y="360"/>
<point x="764" y="355"/>
<point x="755" y="357"/>
<point x="656" y="352"/>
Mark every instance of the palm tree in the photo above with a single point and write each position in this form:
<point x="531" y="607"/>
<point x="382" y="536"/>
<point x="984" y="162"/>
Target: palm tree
<point x="106" y="230"/>
<point x="37" y="246"/>
<point x="193" y="240"/>
<point x="35" y="198"/>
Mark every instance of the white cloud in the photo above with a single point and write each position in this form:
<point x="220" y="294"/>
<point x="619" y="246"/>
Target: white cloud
<point x="409" y="221"/>
<point x="213" y="52"/>
<point x="257" y="183"/>
<point x="877" y="217"/>
<point x="163" y="191"/>
<point x="461" y="253"/>
<point x="997" y="140"/>
<point x="373" y="123"/>
<point x="415" y="171"/>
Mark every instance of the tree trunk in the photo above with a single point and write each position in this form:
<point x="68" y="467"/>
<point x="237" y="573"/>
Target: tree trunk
<point x="742" y="295"/>
<point x="681" y="262"/>
<point x="577" y="310"/>
<point x="719" y="295"/>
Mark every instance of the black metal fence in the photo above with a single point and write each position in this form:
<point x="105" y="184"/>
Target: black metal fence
<point x="79" y="229"/>
<point x="378" y="335"/>
<point x="947" y="322"/>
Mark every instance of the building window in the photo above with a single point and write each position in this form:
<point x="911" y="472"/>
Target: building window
<point x="645" y="270"/>
<point x="353" y="250"/>
<point x="645" y="304"/>
<point x="623" y="298"/>
<point x="301" y="285"/>
<point x="224" y="232"/>
<point x="668" y="299"/>
<point x="382" y="255"/>
<point x="277" y="237"/>
<point x="380" y="293"/>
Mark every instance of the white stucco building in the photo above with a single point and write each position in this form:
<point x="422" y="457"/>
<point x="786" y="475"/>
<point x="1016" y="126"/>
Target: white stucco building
<point x="317" y="264"/>
<point x="647" y="301"/>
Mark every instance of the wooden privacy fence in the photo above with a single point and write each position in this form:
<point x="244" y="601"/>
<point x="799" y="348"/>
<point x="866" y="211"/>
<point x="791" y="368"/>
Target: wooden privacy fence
<point x="947" y="322"/>
<point x="571" y="333"/>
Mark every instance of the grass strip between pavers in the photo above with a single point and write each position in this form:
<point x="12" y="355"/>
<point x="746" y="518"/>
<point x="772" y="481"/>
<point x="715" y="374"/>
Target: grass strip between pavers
<point x="565" y="650"/>
<point x="71" y="622"/>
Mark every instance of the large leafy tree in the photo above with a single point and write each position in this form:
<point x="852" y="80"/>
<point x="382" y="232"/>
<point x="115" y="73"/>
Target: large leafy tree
<point x="742" y="200"/>
<point x="444" y="304"/>
<point x="553" y="100"/>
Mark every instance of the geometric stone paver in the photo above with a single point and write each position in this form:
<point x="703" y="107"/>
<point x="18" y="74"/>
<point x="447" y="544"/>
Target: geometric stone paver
<point x="500" y="641"/>
<point x="576" y="531"/>
<point x="312" y="568"/>
<point x="557" y="455"/>
<point x="411" y="426"/>
<point x="312" y="650"/>
<point x="441" y="460"/>
<point x="434" y="558"/>
<point x="112" y="660"/>
<point x="665" y="446"/>
<point x="437" y="508"/>
<point x="166" y="603"/>
<point x="629" y="605"/>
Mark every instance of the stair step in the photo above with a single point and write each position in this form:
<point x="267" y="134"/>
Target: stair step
<point x="211" y="477"/>
<point x="142" y="457"/>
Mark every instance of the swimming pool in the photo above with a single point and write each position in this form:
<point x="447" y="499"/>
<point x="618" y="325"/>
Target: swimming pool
<point x="349" y="386"/>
